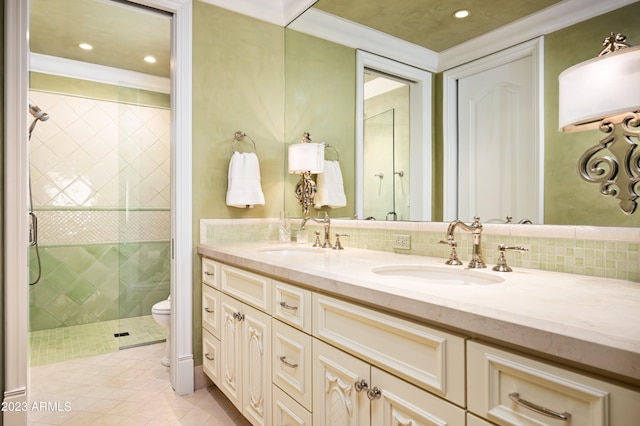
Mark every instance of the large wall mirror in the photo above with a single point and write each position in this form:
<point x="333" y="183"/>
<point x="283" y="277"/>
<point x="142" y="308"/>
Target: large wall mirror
<point x="319" y="101"/>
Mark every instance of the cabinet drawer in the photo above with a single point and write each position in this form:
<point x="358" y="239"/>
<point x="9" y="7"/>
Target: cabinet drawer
<point x="292" y="305"/>
<point x="210" y="273"/>
<point x="211" y="310"/>
<point x="476" y="421"/>
<point x="512" y="389"/>
<point x="247" y="287"/>
<point x="432" y="359"/>
<point x="292" y="360"/>
<point x="287" y="412"/>
<point x="211" y="356"/>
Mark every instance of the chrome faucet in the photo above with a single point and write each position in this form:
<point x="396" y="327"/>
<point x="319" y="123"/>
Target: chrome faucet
<point x="326" y="223"/>
<point x="476" y="231"/>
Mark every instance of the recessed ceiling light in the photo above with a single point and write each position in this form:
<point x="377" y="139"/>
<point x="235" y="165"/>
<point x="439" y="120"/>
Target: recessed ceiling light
<point x="461" y="13"/>
<point x="150" y="59"/>
<point x="85" y="46"/>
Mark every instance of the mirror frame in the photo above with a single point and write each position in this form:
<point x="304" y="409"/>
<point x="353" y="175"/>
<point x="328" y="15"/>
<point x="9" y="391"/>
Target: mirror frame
<point x="421" y="144"/>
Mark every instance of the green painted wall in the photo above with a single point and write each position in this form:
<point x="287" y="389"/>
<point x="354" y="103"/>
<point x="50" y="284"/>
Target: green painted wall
<point x="568" y="198"/>
<point x="321" y="99"/>
<point x="238" y="84"/>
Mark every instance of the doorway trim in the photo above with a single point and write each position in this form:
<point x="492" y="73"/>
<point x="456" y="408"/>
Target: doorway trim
<point x="533" y="48"/>
<point x="421" y="170"/>
<point x="16" y="301"/>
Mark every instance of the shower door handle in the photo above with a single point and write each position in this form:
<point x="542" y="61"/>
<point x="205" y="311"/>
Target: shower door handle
<point x="33" y="229"/>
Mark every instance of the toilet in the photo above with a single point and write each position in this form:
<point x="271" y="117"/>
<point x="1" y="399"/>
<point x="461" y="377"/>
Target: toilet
<point x="161" y="313"/>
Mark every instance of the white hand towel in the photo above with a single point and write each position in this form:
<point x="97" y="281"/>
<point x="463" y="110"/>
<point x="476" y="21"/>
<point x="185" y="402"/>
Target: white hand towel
<point x="330" y="187"/>
<point x="244" y="188"/>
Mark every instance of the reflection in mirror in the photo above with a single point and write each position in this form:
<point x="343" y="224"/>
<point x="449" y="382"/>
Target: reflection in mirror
<point x="401" y="151"/>
<point x="565" y="198"/>
<point x="386" y="148"/>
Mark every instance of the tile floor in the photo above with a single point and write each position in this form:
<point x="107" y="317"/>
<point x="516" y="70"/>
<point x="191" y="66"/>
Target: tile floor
<point x="127" y="387"/>
<point x="78" y="341"/>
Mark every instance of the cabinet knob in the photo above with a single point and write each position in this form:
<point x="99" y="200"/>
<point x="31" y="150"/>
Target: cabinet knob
<point x="374" y="393"/>
<point x="239" y="316"/>
<point x="360" y="385"/>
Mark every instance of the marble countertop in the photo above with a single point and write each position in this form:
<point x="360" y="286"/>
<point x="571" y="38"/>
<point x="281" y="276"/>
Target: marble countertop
<point x="592" y="321"/>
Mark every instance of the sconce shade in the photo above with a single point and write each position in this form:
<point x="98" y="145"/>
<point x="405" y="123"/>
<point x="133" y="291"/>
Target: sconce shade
<point x="605" y="86"/>
<point x="306" y="157"/>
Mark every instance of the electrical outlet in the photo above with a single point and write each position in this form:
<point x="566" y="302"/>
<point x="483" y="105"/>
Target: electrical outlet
<point x="401" y="241"/>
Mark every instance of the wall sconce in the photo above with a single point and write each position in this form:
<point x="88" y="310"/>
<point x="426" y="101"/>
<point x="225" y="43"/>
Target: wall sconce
<point x="306" y="158"/>
<point x="604" y="93"/>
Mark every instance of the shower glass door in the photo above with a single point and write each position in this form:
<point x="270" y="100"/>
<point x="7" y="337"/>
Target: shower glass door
<point x="144" y="215"/>
<point x="378" y="165"/>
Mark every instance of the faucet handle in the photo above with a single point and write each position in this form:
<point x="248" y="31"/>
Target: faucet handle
<point x="338" y="244"/>
<point x="453" y="257"/>
<point x="317" y="242"/>
<point x="502" y="260"/>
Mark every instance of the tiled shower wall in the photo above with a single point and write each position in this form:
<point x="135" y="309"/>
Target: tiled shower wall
<point x="100" y="178"/>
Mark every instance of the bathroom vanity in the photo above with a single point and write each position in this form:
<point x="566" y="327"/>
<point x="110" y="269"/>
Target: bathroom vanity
<point x="295" y="335"/>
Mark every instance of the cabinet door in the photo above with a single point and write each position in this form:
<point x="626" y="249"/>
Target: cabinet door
<point x="336" y="402"/>
<point x="231" y="350"/>
<point x="256" y="365"/>
<point x="398" y="403"/>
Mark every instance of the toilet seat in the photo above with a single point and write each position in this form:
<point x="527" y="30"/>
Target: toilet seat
<point x="162" y="308"/>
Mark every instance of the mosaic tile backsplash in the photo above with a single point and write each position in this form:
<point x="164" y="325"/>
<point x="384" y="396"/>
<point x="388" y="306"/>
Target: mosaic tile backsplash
<point x="100" y="174"/>
<point x="593" y="251"/>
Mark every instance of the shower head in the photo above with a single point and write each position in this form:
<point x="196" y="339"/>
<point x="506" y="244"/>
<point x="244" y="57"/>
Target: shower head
<point x="37" y="113"/>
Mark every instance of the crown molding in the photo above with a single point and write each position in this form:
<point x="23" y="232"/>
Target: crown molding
<point x="99" y="73"/>
<point x="330" y="27"/>
<point x="551" y="19"/>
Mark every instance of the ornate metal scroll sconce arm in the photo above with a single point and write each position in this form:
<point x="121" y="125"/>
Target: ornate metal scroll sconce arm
<point x="618" y="175"/>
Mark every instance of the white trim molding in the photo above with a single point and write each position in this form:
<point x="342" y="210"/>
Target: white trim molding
<point x="182" y="363"/>
<point x="16" y="165"/>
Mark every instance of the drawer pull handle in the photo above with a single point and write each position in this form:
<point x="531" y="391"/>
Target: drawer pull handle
<point x="374" y="393"/>
<point x="209" y="310"/>
<point x="361" y="385"/>
<point x="515" y="397"/>
<point x="209" y="273"/>
<point x="289" y="307"/>
<point x="209" y="357"/>
<point x="283" y="359"/>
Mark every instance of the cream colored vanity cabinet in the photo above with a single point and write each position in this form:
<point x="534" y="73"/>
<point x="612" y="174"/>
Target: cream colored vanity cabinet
<point x="429" y="358"/>
<point x="245" y="340"/>
<point x="513" y="389"/>
<point x="350" y="391"/>
<point x="211" y="319"/>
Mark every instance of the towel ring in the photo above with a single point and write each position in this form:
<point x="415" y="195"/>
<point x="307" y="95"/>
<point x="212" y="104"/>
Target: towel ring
<point x="239" y="136"/>
<point x="326" y="145"/>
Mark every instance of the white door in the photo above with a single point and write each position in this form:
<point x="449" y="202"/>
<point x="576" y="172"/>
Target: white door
<point x="498" y="143"/>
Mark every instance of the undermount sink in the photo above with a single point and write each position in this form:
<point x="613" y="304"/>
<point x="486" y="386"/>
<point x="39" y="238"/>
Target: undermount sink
<point x="289" y="250"/>
<point x="438" y="275"/>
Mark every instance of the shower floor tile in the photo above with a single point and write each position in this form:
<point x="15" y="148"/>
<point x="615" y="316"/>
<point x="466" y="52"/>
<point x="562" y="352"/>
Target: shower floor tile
<point x="79" y="341"/>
